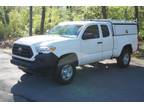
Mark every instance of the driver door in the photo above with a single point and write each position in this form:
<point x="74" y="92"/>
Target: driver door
<point x="91" y="45"/>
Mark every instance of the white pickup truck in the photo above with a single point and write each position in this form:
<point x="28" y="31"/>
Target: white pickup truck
<point x="74" y="43"/>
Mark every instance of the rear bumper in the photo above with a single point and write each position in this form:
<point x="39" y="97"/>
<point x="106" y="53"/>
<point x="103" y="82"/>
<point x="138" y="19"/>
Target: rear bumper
<point x="41" y="61"/>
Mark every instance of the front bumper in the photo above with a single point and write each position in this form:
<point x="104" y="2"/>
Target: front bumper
<point x="41" y="61"/>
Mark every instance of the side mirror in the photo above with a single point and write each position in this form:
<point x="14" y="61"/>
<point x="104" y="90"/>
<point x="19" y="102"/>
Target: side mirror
<point x="47" y="30"/>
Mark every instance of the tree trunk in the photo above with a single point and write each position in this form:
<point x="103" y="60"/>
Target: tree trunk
<point x="136" y="12"/>
<point x="126" y="13"/>
<point x="5" y="17"/>
<point x="30" y="21"/>
<point x="49" y="21"/>
<point x="69" y="10"/>
<point x="136" y="15"/>
<point x="104" y="12"/>
<point x="42" y="20"/>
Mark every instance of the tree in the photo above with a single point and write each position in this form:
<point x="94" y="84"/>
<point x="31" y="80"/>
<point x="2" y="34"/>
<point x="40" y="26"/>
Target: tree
<point x="136" y="15"/>
<point x="42" y="20"/>
<point x="70" y="12"/>
<point x="19" y="21"/>
<point x="49" y="21"/>
<point x="4" y="16"/>
<point x="104" y="12"/>
<point x="125" y="13"/>
<point x="4" y="20"/>
<point x="30" y="21"/>
<point x="136" y="12"/>
<point x="91" y="12"/>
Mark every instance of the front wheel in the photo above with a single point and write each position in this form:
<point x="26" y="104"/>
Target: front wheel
<point x="124" y="59"/>
<point x="65" y="73"/>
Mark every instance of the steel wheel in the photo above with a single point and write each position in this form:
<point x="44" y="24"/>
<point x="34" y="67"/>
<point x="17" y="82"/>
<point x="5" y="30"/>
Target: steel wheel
<point x="67" y="72"/>
<point x="126" y="59"/>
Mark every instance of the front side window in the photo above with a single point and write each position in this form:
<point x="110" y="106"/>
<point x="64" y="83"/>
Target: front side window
<point x="91" y="32"/>
<point x="66" y="30"/>
<point x="105" y="30"/>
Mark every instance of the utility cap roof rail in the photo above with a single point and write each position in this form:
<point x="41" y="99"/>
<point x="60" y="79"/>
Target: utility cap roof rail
<point x="98" y="20"/>
<point x="113" y="20"/>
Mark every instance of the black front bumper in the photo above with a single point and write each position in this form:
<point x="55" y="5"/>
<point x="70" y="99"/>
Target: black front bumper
<point x="41" y="61"/>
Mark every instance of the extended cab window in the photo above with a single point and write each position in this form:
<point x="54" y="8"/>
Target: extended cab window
<point x="105" y="30"/>
<point x="91" y="32"/>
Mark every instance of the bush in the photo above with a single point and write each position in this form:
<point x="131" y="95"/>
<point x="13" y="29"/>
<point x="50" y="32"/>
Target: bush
<point x="18" y="24"/>
<point x="141" y="34"/>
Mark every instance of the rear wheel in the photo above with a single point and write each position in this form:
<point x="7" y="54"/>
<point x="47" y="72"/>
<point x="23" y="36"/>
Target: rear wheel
<point x="124" y="59"/>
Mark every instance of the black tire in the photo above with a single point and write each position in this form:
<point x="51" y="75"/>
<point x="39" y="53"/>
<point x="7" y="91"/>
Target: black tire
<point x="124" y="59"/>
<point x="59" y="76"/>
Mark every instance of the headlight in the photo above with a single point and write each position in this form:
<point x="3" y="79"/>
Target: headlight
<point x="46" y="49"/>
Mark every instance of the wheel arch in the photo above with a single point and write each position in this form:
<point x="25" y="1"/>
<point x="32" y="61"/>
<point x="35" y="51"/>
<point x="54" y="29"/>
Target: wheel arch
<point x="68" y="58"/>
<point x="127" y="46"/>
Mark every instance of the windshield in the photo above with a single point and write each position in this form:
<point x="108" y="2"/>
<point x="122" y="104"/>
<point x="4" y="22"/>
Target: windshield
<point x="66" y="30"/>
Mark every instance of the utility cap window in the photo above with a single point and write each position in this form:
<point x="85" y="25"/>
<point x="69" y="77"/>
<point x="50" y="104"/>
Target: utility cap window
<point x="91" y="32"/>
<point x="105" y="30"/>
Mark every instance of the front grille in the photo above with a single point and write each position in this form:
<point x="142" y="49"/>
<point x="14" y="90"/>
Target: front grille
<point x="22" y="50"/>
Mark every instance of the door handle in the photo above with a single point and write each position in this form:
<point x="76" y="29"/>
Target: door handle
<point x="99" y="42"/>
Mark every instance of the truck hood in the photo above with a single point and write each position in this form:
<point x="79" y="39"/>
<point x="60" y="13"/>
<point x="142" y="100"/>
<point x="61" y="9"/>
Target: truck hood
<point x="41" y="38"/>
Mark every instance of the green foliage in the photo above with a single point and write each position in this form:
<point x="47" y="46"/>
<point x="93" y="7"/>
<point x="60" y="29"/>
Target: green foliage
<point x="1" y="30"/>
<point x="121" y="13"/>
<point x="16" y="25"/>
<point x="18" y="22"/>
<point x="14" y="21"/>
<point x="142" y="34"/>
<point x="36" y="20"/>
<point x="92" y="12"/>
<point x="54" y="15"/>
